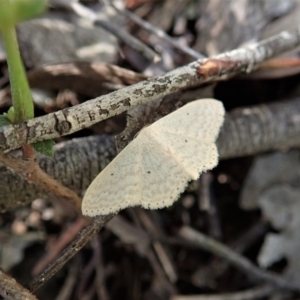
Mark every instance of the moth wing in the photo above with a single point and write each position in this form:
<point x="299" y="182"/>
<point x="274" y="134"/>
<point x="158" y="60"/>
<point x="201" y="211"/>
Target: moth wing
<point x="190" y="133"/>
<point x="200" y="119"/>
<point x="163" y="179"/>
<point x="193" y="155"/>
<point x="118" y="185"/>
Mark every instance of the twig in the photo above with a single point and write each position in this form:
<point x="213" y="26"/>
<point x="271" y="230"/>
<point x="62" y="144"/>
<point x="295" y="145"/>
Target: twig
<point x="207" y="202"/>
<point x="160" y="33"/>
<point x="66" y="237"/>
<point x="68" y="286"/>
<point x="86" y="274"/>
<point x="86" y="78"/>
<point x="119" y="32"/>
<point x="70" y="120"/>
<point x="218" y="266"/>
<point x="236" y="259"/>
<point x="83" y="237"/>
<point x="130" y="234"/>
<point x="255" y="293"/>
<point x="160" y="250"/>
<point x="11" y="290"/>
<point x="100" y="274"/>
<point x="251" y="236"/>
<point x="165" y="285"/>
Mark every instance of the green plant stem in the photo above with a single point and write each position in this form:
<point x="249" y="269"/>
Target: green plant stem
<point x="21" y="96"/>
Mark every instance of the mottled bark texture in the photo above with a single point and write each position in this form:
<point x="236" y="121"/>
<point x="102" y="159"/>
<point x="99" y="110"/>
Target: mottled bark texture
<point x="75" y="164"/>
<point x="246" y="131"/>
<point x="12" y="290"/>
<point x="72" y="119"/>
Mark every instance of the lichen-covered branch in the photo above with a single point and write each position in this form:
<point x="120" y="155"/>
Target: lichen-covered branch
<point x="77" y="162"/>
<point x="70" y="120"/>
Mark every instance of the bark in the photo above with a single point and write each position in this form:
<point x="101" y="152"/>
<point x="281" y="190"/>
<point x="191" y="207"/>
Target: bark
<point x="249" y="131"/>
<point x="77" y="162"/>
<point x="10" y="289"/>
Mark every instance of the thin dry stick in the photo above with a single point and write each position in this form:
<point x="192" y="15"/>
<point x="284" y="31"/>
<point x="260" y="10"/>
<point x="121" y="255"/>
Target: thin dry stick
<point x="100" y="274"/>
<point x="65" y="238"/>
<point x="160" y="274"/>
<point x="11" y="290"/>
<point x="70" y="120"/>
<point x="255" y="293"/>
<point x="236" y="259"/>
<point x="160" y="33"/>
<point x="161" y="252"/>
<point x="85" y="274"/>
<point x="217" y="267"/>
<point x="119" y="32"/>
<point x="207" y="202"/>
<point x="83" y="237"/>
<point x="32" y="172"/>
<point x="130" y="234"/>
<point x="70" y="282"/>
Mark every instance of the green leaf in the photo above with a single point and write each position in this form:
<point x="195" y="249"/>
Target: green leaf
<point x="4" y="121"/>
<point x="10" y="115"/>
<point x="44" y="147"/>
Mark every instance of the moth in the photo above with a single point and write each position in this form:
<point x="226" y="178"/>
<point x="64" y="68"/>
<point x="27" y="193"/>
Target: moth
<point x="155" y="168"/>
